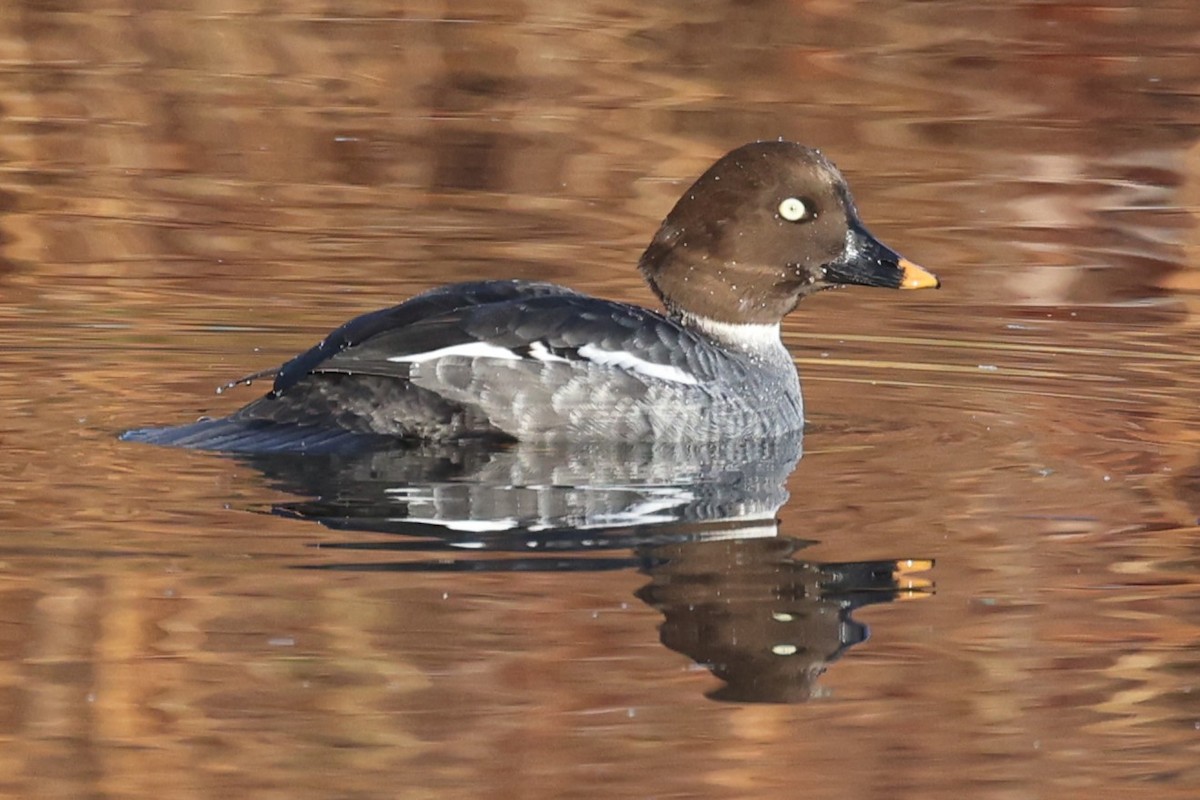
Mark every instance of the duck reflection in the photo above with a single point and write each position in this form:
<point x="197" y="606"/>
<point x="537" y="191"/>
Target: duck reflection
<point x="699" y="520"/>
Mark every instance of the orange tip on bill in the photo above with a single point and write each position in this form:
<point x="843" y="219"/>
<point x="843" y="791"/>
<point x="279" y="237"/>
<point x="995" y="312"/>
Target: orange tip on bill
<point x="916" y="277"/>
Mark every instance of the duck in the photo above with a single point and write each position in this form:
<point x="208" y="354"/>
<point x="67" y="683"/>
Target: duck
<point x="767" y="225"/>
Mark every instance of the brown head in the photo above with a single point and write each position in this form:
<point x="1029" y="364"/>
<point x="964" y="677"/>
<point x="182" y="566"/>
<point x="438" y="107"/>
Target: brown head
<point x="766" y="225"/>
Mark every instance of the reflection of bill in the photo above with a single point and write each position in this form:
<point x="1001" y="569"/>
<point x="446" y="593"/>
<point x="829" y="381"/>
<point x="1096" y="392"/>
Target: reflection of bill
<point x="700" y="520"/>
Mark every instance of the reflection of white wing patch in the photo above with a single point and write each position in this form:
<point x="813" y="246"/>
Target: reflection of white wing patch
<point x="470" y="350"/>
<point x="624" y="360"/>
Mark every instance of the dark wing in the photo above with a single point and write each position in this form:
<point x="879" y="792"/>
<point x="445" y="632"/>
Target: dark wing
<point x="379" y="324"/>
<point x="559" y="328"/>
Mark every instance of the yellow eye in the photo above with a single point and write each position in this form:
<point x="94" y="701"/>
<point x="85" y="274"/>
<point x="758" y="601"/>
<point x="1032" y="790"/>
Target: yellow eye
<point x="793" y="209"/>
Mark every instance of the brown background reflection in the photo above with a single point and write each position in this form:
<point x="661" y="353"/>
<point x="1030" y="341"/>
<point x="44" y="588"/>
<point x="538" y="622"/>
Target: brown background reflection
<point x="194" y="190"/>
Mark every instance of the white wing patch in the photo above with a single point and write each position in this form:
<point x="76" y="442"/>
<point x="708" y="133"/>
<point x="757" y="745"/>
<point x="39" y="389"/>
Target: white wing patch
<point x="470" y="350"/>
<point x="625" y="360"/>
<point x="540" y="352"/>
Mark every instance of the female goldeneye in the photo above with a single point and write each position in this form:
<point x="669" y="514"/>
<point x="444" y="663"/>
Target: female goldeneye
<point x="766" y="225"/>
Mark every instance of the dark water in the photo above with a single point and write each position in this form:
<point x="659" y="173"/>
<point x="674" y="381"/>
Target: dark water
<point x="193" y="191"/>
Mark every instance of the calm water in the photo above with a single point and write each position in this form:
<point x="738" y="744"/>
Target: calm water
<point x="193" y="191"/>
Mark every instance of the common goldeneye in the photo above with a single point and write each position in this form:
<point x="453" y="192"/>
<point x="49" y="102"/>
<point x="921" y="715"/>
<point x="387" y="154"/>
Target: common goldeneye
<point x="766" y="225"/>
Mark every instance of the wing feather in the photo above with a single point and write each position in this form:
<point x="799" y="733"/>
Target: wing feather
<point x="369" y="328"/>
<point x="572" y="328"/>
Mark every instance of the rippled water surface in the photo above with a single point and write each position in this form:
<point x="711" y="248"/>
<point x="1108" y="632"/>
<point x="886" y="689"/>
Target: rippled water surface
<point x="196" y="190"/>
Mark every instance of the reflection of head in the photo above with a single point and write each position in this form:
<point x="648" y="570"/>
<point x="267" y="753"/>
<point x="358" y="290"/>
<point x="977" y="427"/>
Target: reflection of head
<point x="765" y="624"/>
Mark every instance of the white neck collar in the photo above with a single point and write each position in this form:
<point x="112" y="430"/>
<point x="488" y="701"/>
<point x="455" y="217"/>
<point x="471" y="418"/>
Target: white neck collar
<point x="748" y="336"/>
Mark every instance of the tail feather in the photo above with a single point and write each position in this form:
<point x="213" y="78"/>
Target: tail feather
<point x="254" y="436"/>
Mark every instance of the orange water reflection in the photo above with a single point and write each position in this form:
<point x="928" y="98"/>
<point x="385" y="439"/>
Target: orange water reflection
<point x="193" y="192"/>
